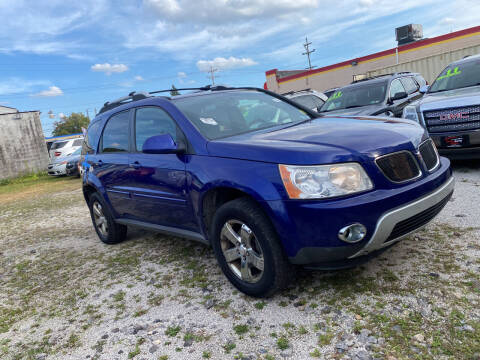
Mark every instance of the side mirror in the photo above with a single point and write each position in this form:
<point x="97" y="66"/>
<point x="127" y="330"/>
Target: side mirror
<point x="162" y="144"/>
<point x="399" y="95"/>
<point x="423" y="89"/>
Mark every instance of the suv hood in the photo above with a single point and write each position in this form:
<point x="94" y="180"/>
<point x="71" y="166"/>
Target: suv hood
<point x="364" y="110"/>
<point x="452" y="98"/>
<point x="323" y="140"/>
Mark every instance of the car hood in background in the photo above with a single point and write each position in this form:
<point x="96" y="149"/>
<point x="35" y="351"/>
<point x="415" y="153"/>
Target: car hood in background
<point x="453" y="98"/>
<point x="364" y="110"/>
<point x="323" y="140"/>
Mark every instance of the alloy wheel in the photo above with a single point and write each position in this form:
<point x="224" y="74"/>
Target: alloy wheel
<point x="100" y="219"/>
<point x="242" y="251"/>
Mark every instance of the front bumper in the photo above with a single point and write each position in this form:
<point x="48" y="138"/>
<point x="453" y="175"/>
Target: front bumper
<point x="57" y="170"/>
<point x="309" y="230"/>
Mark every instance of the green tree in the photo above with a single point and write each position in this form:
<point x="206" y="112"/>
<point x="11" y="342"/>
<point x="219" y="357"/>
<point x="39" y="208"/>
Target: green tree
<point x="71" y="125"/>
<point x="174" y="91"/>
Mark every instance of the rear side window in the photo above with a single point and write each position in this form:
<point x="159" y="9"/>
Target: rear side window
<point x="91" y="138"/>
<point x="410" y="85"/>
<point x="116" y="134"/>
<point x="151" y="121"/>
<point x="396" y="87"/>
<point x="420" y="80"/>
<point x="58" y="145"/>
<point x="77" y="142"/>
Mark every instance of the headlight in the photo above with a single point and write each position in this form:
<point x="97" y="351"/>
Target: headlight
<point x="410" y="113"/>
<point x="324" y="181"/>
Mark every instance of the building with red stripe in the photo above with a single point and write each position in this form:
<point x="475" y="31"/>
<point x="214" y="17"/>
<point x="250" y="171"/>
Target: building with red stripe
<point x="426" y="56"/>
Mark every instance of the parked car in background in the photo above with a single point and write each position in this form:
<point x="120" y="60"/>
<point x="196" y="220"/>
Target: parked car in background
<point x="309" y="98"/>
<point x="291" y="189"/>
<point x="64" y="148"/>
<point x="450" y="109"/>
<point x="384" y="95"/>
<point x="330" y="92"/>
<point x="58" y="166"/>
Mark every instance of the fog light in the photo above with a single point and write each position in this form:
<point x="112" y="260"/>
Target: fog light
<point x="352" y="233"/>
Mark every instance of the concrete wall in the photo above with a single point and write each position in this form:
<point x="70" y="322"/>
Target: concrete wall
<point x="7" y="110"/>
<point x="22" y="144"/>
<point x="432" y="53"/>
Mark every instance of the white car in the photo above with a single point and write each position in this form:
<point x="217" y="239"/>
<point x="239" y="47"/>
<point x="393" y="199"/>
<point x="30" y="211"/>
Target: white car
<point x="309" y="98"/>
<point x="58" y="166"/>
<point x="62" y="148"/>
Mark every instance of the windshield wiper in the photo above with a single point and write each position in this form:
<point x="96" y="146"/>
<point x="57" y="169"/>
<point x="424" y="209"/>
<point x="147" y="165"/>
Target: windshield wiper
<point x="353" y="106"/>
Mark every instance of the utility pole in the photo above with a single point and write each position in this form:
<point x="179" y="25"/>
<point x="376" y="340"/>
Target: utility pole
<point x="308" y="52"/>
<point x="212" y="72"/>
<point x="88" y="115"/>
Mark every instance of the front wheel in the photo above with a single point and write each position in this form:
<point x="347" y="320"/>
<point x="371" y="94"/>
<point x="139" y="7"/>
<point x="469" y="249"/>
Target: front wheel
<point x="248" y="250"/>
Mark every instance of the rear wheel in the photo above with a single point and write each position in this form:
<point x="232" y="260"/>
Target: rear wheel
<point x="107" y="229"/>
<point x="248" y="250"/>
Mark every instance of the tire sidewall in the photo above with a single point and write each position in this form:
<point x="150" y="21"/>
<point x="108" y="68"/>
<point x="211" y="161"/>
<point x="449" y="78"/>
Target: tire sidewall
<point x="228" y="212"/>
<point x="106" y="212"/>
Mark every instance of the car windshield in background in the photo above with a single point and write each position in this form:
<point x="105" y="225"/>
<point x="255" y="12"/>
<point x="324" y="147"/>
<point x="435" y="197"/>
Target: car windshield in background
<point x="309" y="101"/>
<point x="58" y="145"/>
<point x="356" y="96"/>
<point x="457" y="76"/>
<point x="219" y="115"/>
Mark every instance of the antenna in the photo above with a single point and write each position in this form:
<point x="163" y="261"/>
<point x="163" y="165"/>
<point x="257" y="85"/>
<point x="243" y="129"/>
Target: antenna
<point x="308" y="52"/>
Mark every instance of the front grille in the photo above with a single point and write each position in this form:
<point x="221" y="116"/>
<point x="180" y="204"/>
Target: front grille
<point x="453" y="119"/>
<point x="429" y="154"/>
<point x="399" y="167"/>
<point x="418" y="220"/>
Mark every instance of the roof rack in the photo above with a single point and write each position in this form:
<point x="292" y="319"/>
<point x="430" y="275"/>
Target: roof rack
<point x="134" y="96"/>
<point x="295" y="91"/>
<point x="379" y="76"/>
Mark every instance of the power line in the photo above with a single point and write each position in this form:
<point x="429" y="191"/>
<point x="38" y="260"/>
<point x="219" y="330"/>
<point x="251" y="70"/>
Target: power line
<point x="308" y="52"/>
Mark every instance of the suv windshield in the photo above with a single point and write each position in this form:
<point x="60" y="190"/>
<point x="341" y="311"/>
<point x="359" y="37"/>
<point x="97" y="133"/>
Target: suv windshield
<point x="218" y="115"/>
<point x="356" y="96"/>
<point x="457" y="76"/>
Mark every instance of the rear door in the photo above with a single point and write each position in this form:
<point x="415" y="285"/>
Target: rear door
<point x="111" y="163"/>
<point x="158" y="181"/>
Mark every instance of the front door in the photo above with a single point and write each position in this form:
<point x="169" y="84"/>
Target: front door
<point x="158" y="181"/>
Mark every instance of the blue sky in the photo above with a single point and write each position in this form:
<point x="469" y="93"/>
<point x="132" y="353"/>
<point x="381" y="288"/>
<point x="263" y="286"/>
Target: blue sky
<point x="73" y="56"/>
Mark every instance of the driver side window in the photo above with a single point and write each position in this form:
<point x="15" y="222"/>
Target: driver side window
<point x="396" y="87"/>
<point x="151" y="121"/>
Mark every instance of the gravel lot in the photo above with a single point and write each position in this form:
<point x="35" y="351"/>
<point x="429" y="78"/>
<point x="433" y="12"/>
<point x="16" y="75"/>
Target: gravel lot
<point x="65" y="295"/>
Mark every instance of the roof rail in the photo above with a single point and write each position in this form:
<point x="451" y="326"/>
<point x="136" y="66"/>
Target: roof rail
<point x="295" y="91"/>
<point x="203" y="88"/>
<point x="133" y="96"/>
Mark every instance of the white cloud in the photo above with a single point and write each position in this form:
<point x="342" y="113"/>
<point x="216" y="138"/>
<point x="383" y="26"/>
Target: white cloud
<point x="221" y="63"/>
<point x="109" y="68"/>
<point x="52" y="91"/>
<point x="139" y="78"/>
<point x="181" y="75"/>
<point x="16" y="85"/>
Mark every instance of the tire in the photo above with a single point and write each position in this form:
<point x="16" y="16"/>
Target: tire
<point x="107" y="229"/>
<point x="252" y="229"/>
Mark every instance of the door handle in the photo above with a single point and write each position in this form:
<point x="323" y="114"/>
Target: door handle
<point x="135" y="165"/>
<point x="98" y="163"/>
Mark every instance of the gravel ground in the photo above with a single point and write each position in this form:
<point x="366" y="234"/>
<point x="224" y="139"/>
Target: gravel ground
<point x="65" y="295"/>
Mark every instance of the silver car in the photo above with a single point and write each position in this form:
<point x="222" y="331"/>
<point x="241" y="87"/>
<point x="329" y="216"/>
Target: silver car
<point x="58" y="166"/>
<point x="62" y="148"/>
<point x="311" y="99"/>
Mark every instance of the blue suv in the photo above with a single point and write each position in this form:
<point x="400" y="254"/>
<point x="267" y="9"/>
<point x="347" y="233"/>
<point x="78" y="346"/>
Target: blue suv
<point x="269" y="184"/>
